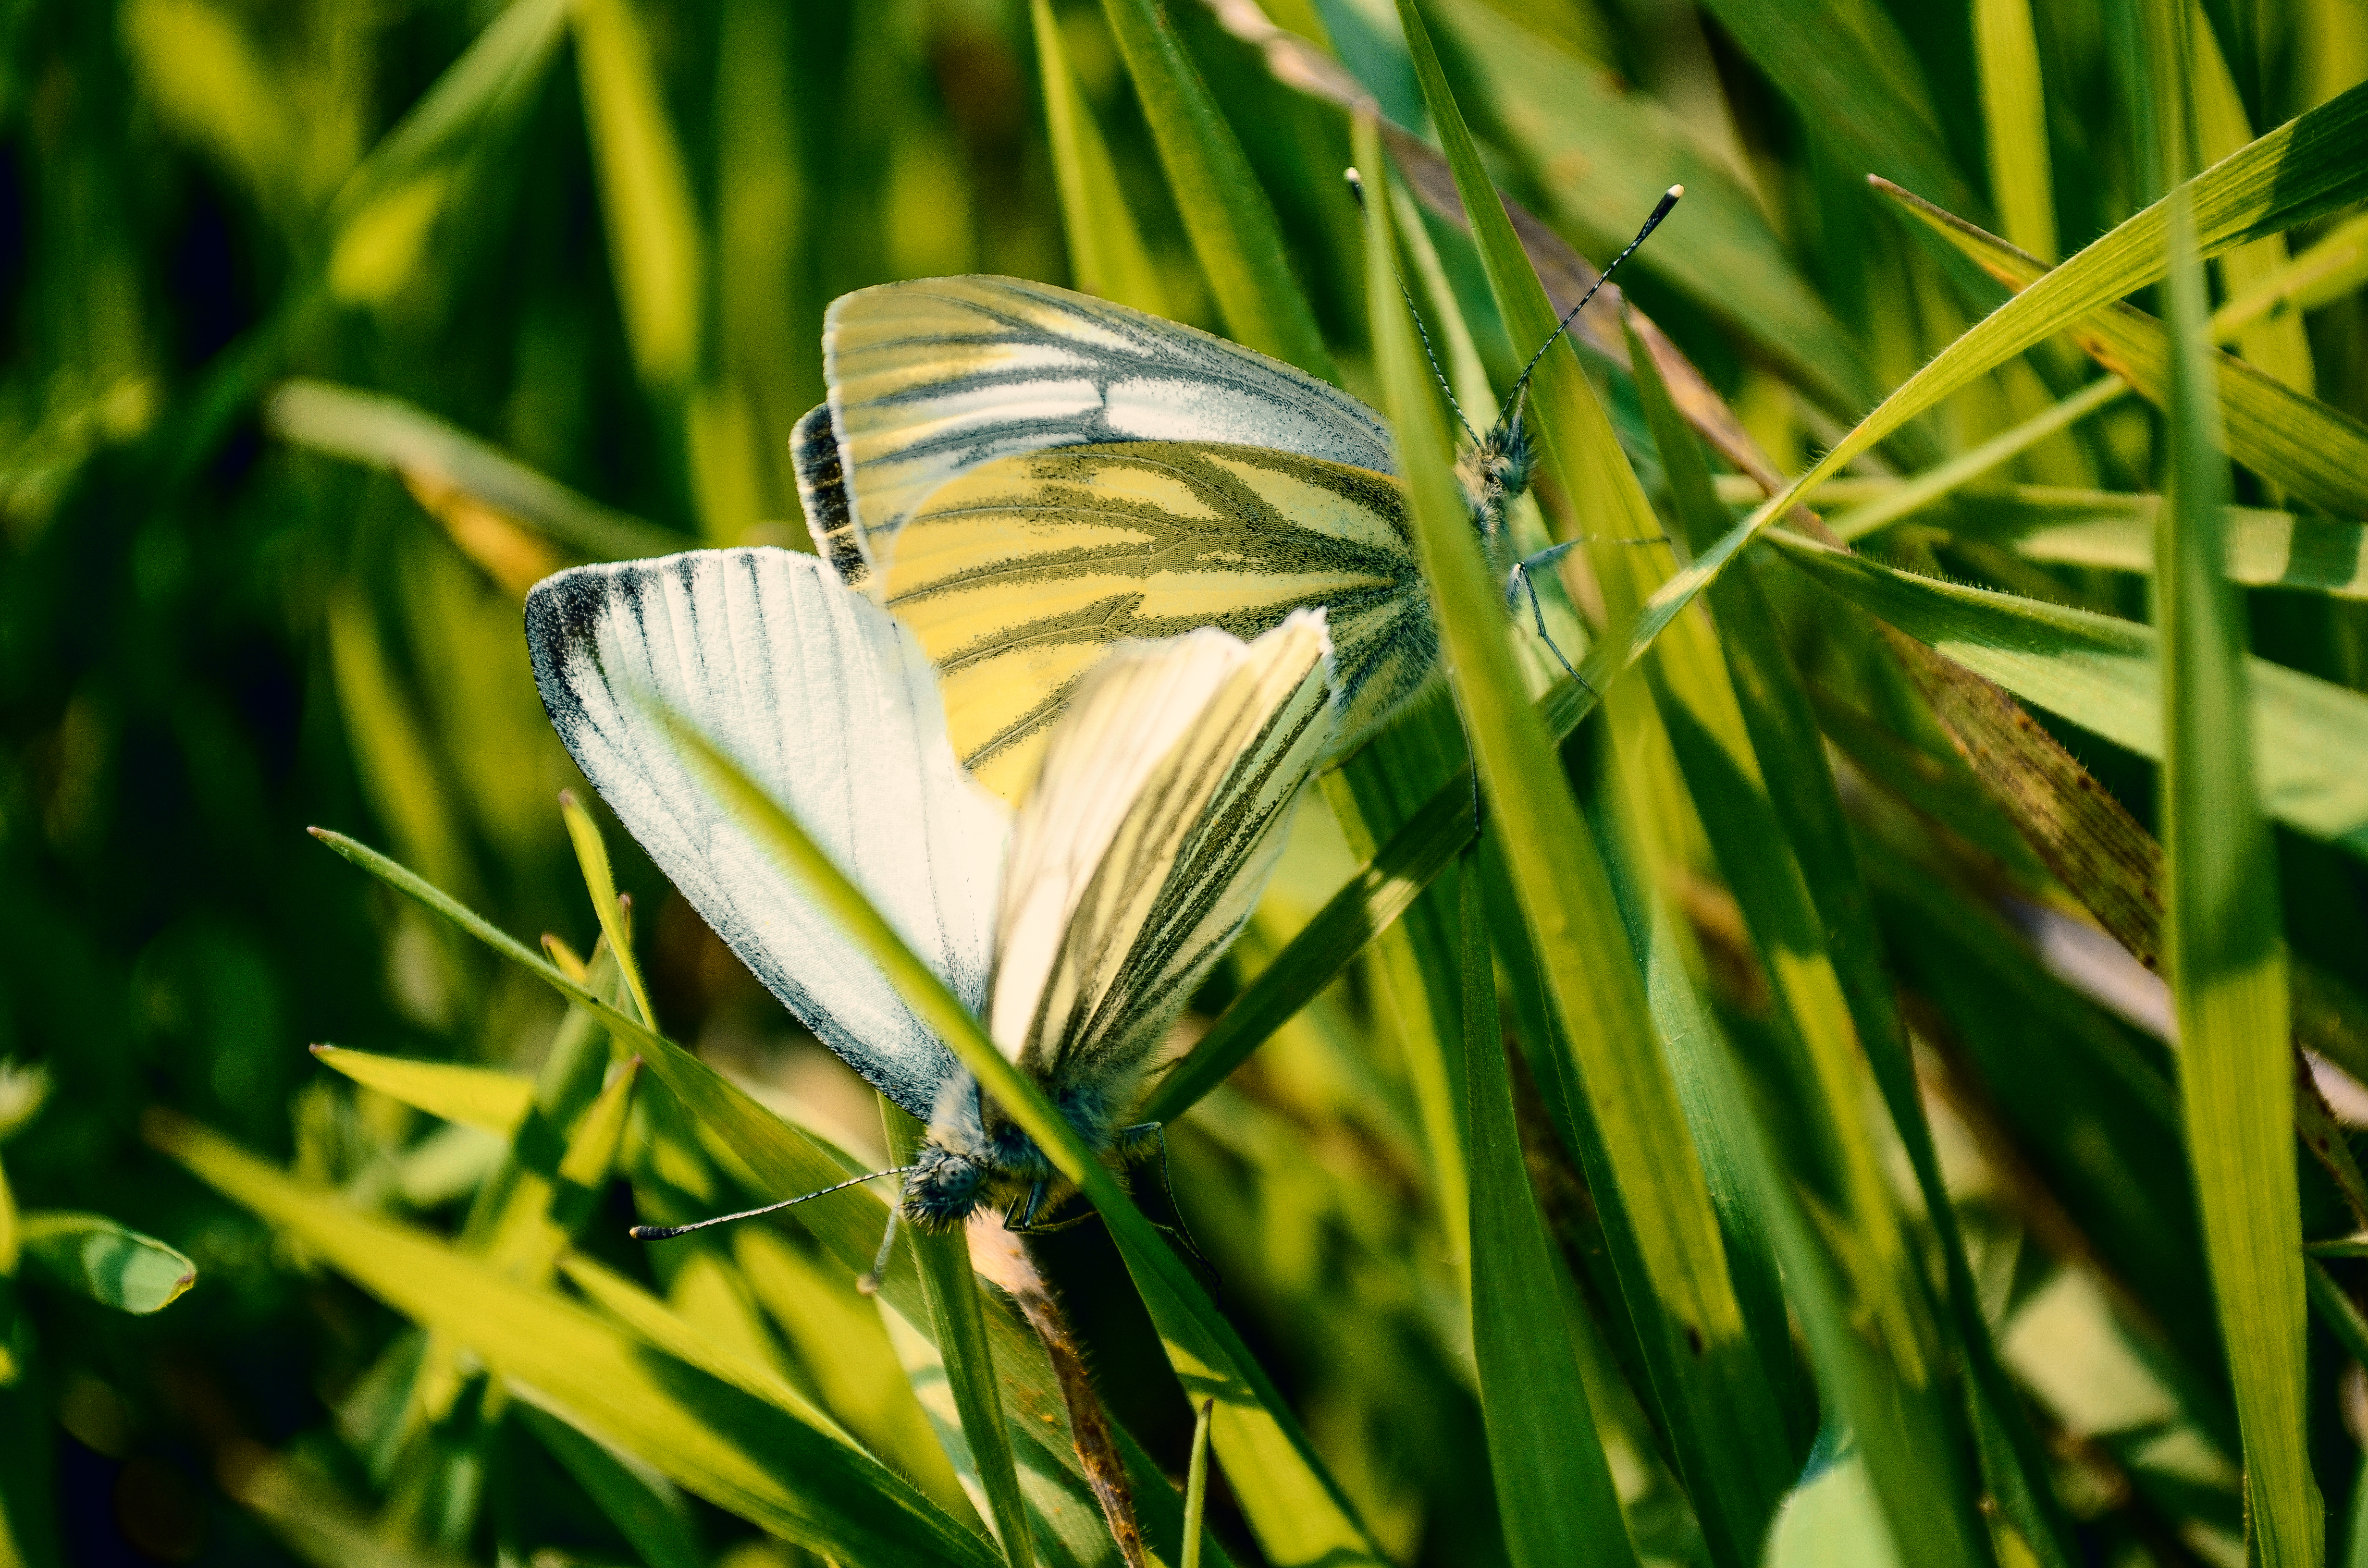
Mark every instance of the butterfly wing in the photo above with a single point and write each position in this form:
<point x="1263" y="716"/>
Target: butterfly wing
<point x="828" y="705"/>
<point x="1165" y="796"/>
<point x="932" y="378"/>
<point x="1018" y="576"/>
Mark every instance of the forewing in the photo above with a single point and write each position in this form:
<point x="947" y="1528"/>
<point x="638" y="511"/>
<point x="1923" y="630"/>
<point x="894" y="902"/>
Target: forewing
<point x="932" y="378"/>
<point x="1165" y="796"/>
<point x="1019" y="575"/>
<point x="823" y="701"/>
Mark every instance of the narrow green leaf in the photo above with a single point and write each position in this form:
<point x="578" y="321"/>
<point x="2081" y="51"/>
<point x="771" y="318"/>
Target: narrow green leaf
<point x="1659" y="1193"/>
<point x="2335" y="265"/>
<point x="737" y="1450"/>
<point x="1196" y="1483"/>
<point x="2317" y="451"/>
<point x="2226" y="947"/>
<point x="387" y="432"/>
<point x="1107" y="255"/>
<point x="2310" y="752"/>
<point x="2265" y="549"/>
<point x="592" y="860"/>
<point x="1544" y="1453"/>
<point x="2014" y="123"/>
<point x="482" y="1097"/>
<point x="652" y="1524"/>
<point x="655" y="245"/>
<point x="1933" y="483"/>
<point x="111" y="1263"/>
<point x="1226" y="211"/>
<point x="951" y="1290"/>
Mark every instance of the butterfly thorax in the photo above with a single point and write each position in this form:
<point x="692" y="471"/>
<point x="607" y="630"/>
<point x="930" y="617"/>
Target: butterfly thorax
<point x="976" y="1157"/>
<point x="1494" y="475"/>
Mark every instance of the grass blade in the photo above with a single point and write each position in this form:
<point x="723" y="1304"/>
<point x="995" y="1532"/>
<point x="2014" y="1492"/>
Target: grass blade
<point x="1545" y="1452"/>
<point x="1107" y="255"/>
<point x="2014" y="123"/>
<point x="1226" y="211"/>
<point x="111" y="1263"/>
<point x="592" y="860"/>
<point x="473" y="1096"/>
<point x="1933" y="483"/>
<point x="2265" y="549"/>
<point x="2227" y="949"/>
<point x="951" y="1289"/>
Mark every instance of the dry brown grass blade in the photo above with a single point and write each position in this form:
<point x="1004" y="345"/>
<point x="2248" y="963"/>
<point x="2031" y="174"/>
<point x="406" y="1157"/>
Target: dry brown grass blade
<point x="2102" y="855"/>
<point x="1002" y="1258"/>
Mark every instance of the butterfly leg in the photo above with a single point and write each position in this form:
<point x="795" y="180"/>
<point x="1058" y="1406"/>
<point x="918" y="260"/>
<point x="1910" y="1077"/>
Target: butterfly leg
<point x="1022" y="1216"/>
<point x="1525" y="580"/>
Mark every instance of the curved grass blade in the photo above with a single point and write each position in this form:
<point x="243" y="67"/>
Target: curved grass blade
<point x="436" y="457"/>
<point x="2317" y="451"/>
<point x="1107" y="255"/>
<point x="473" y="1096"/>
<point x="111" y="1263"/>
<point x="1226" y="211"/>
<point x="2228" y="948"/>
<point x="951" y="1289"/>
<point x="1545" y="1452"/>
<point x="2311" y="736"/>
<point x="735" y="1450"/>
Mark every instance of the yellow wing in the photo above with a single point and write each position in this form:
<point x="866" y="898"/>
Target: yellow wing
<point x="1161" y="808"/>
<point x="1019" y="575"/>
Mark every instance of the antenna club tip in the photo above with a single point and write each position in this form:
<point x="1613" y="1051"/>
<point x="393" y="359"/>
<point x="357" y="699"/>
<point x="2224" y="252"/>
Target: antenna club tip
<point x="1676" y="191"/>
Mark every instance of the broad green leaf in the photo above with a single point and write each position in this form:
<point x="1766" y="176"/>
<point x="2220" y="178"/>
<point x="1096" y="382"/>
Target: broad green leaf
<point x="1546" y="1454"/>
<point x="1561" y="112"/>
<point x="1227" y="215"/>
<point x="1107" y="255"/>
<point x="655" y="245"/>
<point x="2014" y="123"/>
<point x="2317" y="451"/>
<point x="735" y="1449"/>
<point x="1914" y="495"/>
<point x="2227" y="949"/>
<point x="2310" y="737"/>
<point x="651" y="1521"/>
<point x="482" y="1097"/>
<point x="953" y="1292"/>
<point x="111" y="1263"/>
<point x="1653" y="1189"/>
<point x="385" y="432"/>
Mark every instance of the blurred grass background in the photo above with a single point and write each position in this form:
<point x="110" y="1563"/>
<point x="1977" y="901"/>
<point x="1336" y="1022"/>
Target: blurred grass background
<point x="603" y="243"/>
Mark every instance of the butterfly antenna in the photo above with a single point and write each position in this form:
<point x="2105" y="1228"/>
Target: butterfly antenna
<point x="1357" y="190"/>
<point x="1669" y="200"/>
<point x="665" y="1233"/>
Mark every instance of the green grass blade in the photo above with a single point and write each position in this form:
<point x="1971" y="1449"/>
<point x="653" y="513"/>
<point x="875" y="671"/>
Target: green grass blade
<point x="1107" y="255"/>
<point x="1934" y="483"/>
<point x="1226" y="211"/>
<point x="1560" y="112"/>
<point x="1544" y="1453"/>
<point x="2227" y="949"/>
<point x="737" y="1451"/>
<point x="2265" y="549"/>
<point x="655" y="245"/>
<point x="473" y="1096"/>
<point x="2317" y="451"/>
<point x="952" y="1291"/>
<point x="592" y="860"/>
<point x="1196" y="1483"/>
<point x="111" y="1263"/>
<point x="1801" y="851"/>
<point x="2333" y="266"/>
<point x="387" y="432"/>
<point x="2311" y="736"/>
<point x="2014" y="123"/>
<point x="1659" y="1194"/>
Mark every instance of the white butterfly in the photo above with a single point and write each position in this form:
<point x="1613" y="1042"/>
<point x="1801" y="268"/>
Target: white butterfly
<point x="1076" y="926"/>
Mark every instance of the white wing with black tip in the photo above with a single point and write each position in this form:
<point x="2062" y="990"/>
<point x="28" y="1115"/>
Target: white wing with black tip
<point x="829" y="706"/>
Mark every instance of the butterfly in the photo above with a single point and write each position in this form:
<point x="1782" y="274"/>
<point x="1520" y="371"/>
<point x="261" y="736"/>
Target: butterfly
<point x="1076" y="925"/>
<point x="1025" y="475"/>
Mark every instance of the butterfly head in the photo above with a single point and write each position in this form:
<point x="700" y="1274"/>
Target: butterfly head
<point x="1495" y="473"/>
<point x="973" y="1156"/>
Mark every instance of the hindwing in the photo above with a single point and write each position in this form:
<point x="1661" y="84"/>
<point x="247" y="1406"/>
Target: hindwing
<point x="1019" y="575"/>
